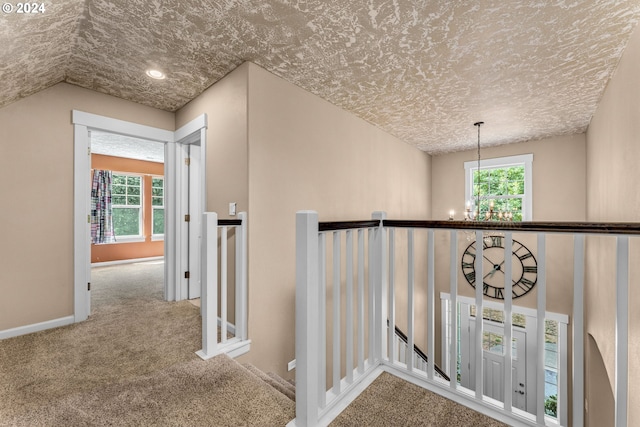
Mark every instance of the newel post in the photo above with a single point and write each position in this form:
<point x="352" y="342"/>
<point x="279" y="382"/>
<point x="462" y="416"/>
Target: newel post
<point x="307" y="319"/>
<point x="379" y="271"/>
<point x="209" y="295"/>
<point x="241" y="278"/>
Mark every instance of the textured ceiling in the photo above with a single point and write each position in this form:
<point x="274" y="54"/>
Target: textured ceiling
<point x="424" y="71"/>
<point x="111" y="144"/>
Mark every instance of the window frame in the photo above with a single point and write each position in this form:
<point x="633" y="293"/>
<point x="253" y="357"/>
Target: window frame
<point x="131" y="237"/>
<point x="157" y="237"/>
<point x="525" y="160"/>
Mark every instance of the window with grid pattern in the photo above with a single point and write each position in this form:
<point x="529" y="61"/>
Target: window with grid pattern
<point x="126" y="198"/>
<point x="157" y="205"/>
<point x="503" y="183"/>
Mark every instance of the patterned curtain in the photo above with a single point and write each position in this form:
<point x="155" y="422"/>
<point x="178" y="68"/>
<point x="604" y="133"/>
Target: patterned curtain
<point x="101" y="211"/>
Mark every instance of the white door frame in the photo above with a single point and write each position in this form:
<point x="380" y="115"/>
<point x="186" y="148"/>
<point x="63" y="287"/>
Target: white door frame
<point x="192" y="201"/>
<point x="526" y="349"/>
<point x="85" y="122"/>
<point x="563" y="320"/>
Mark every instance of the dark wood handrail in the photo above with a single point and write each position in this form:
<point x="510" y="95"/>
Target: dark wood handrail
<point x="632" y="228"/>
<point x="625" y="228"/>
<point x="420" y="353"/>
<point x="229" y="222"/>
<point x="347" y="225"/>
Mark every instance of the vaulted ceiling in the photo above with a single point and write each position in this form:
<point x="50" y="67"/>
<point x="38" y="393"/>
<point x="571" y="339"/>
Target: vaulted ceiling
<point x="422" y="70"/>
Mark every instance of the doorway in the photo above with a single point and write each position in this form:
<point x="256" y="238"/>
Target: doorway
<point x="493" y="359"/>
<point x="176" y="201"/>
<point x="127" y="210"/>
<point x="524" y="348"/>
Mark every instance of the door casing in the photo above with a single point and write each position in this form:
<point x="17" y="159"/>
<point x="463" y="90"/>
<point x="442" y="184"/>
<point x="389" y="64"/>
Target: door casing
<point x="85" y="122"/>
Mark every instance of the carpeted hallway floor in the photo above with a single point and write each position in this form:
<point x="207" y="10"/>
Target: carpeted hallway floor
<point x="133" y="363"/>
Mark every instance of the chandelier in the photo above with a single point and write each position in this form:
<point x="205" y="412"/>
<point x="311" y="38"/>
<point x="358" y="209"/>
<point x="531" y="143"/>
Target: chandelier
<point x="472" y="213"/>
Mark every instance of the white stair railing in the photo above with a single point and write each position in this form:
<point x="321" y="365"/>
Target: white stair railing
<point x="216" y="325"/>
<point x="372" y="305"/>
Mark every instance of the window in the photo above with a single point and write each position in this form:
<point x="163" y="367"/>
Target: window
<point x="504" y="183"/>
<point x="551" y="368"/>
<point x="157" y="205"/>
<point x="126" y="197"/>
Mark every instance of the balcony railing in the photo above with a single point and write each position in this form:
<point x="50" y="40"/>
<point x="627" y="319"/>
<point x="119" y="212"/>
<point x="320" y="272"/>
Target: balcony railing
<point x="343" y="306"/>
<point x="222" y="333"/>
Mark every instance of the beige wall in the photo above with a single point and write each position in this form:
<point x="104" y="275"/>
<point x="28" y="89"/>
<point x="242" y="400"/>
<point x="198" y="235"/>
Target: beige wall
<point x="305" y="153"/>
<point x="612" y="161"/>
<point x="36" y="184"/>
<point x="225" y="104"/>
<point x="559" y="194"/>
<point x="559" y="173"/>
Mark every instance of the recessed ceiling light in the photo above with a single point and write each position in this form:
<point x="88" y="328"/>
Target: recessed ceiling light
<point x="156" y="74"/>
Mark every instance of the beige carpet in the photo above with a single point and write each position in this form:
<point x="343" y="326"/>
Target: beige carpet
<point x="219" y="392"/>
<point x="132" y="363"/>
<point x="391" y="401"/>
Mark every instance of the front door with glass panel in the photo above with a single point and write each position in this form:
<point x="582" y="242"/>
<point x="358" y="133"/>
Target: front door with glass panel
<point x="493" y="358"/>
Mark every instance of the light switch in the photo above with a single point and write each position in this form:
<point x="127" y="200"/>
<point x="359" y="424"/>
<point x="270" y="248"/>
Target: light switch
<point x="232" y="208"/>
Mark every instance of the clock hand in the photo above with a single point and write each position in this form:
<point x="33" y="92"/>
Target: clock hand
<point x="485" y="257"/>
<point x="493" y="271"/>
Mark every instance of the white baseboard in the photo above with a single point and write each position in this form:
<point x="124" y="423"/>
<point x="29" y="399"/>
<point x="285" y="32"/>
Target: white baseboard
<point x="36" y="327"/>
<point x="125" y="261"/>
<point x="234" y="350"/>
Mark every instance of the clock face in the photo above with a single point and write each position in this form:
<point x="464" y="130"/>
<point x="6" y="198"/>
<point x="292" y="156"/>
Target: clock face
<point x="524" y="268"/>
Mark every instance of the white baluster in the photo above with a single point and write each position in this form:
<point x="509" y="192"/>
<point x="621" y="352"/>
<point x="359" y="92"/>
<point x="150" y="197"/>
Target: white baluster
<point x="578" y="340"/>
<point x="393" y="356"/>
<point x="479" y="315"/>
<point x="508" y="322"/>
<point x="209" y="295"/>
<point x="542" y="309"/>
<point x="410" y="299"/>
<point x="349" y="310"/>
<point x="431" y="301"/>
<point x="453" y="319"/>
<point x="360" y="301"/>
<point x="241" y="278"/>
<point x="336" y="313"/>
<point x="223" y="285"/>
<point x="622" y="330"/>
<point x="322" y="315"/>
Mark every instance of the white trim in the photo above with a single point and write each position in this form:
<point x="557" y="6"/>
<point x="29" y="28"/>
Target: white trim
<point x="140" y="206"/>
<point x="191" y="128"/>
<point x="531" y="330"/>
<point x="121" y="127"/>
<point x="171" y="211"/>
<point x="500" y="162"/>
<point x="353" y="390"/>
<point x="126" y="261"/>
<point x="176" y="202"/>
<point x="83" y="122"/>
<point x="81" y="222"/>
<point x="558" y="317"/>
<point x="233" y="350"/>
<point x="36" y="327"/>
<point x="127" y="239"/>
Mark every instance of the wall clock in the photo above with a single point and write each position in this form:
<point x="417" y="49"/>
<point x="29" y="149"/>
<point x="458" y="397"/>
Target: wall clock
<point x="524" y="267"/>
